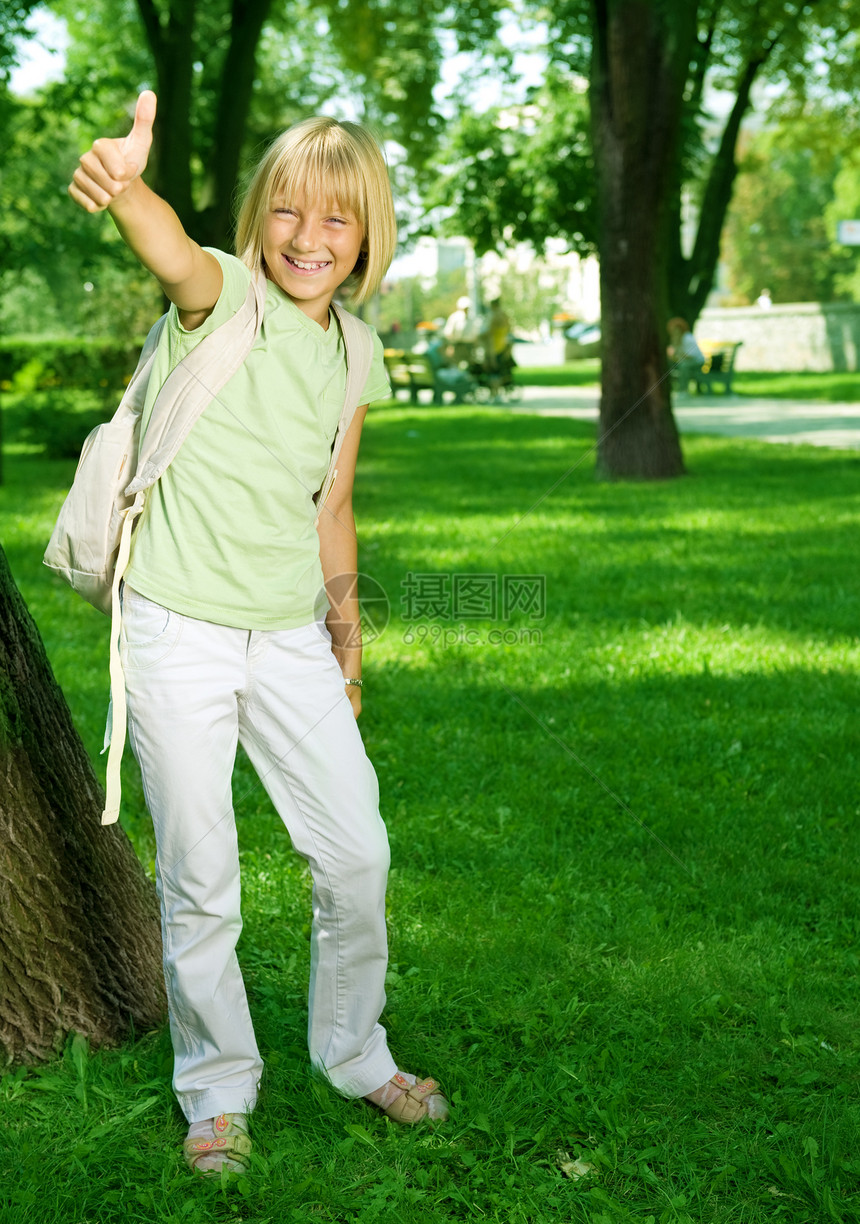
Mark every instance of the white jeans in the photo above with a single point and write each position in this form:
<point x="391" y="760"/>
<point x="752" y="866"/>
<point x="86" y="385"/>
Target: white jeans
<point x="195" y="689"/>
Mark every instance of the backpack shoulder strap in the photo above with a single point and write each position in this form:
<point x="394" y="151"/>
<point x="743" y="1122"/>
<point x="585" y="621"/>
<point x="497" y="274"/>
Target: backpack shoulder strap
<point x="194" y="383"/>
<point x="135" y="393"/>
<point x="358" y="342"/>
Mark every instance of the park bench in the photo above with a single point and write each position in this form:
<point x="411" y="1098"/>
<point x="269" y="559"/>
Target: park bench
<point x="410" y="372"/>
<point x="719" y="364"/>
<point x="414" y="372"/>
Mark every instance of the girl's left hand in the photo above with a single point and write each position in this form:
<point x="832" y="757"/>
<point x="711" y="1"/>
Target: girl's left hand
<point x="353" y="692"/>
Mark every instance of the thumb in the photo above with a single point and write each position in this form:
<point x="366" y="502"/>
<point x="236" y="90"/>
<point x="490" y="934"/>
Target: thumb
<point x="137" y="143"/>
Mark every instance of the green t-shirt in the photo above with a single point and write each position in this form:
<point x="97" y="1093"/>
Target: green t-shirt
<point x="228" y="532"/>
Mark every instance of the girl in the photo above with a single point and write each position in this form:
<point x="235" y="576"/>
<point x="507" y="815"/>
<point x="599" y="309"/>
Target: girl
<point x="222" y="632"/>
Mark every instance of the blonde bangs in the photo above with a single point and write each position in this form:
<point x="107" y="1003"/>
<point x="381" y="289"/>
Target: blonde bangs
<point x="321" y="177"/>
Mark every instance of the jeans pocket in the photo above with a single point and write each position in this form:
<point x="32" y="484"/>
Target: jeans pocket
<point x="149" y="631"/>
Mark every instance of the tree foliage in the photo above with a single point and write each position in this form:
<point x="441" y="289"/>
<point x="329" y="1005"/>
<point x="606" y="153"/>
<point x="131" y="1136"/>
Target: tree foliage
<point x="232" y="74"/>
<point x="803" y="47"/>
<point x="781" y="227"/>
<point x="14" y="15"/>
<point x="524" y="172"/>
<point x="60" y="270"/>
<point x="845" y="206"/>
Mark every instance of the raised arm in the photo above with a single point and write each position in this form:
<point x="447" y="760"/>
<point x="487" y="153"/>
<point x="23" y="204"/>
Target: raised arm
<point x="108" y="177"/>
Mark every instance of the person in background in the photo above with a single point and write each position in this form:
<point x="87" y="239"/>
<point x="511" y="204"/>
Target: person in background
<point x="684" y="352"/>
<point x="447" y="377"/>
<point x="496" y="337"/>
<point x="459" y="332"/>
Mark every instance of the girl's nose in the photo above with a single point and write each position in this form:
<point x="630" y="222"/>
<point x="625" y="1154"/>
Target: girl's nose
<point x="305" y="237"/>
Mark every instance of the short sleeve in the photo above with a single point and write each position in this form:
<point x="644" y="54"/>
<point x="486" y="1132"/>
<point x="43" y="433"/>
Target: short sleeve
<point x="176" y="342"/>
<point x="237" y="278"/>
<point x="377" y="386"/>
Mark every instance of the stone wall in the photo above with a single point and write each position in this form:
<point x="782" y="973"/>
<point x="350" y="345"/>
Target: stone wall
<point x="802" y="336"/>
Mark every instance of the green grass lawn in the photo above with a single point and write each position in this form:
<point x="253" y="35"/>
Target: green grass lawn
<point x="829" y="388"/>
<point x="624" y="902"/>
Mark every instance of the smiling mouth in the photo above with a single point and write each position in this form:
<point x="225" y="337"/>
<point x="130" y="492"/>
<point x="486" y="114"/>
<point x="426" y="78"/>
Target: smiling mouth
<point x="305" y="265"/>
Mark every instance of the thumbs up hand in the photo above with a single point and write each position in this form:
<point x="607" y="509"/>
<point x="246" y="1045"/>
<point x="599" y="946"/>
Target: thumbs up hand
<point x="108" y="177"/>
<point x="110" y="167"/>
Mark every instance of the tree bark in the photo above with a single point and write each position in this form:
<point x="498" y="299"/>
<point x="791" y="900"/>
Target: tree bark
<point x="80" y="943"/>
<point x="215" y="222"/>
<point x="640" y="54"/>
<point x="174" y="47"/>
<point x="693" y="278"/>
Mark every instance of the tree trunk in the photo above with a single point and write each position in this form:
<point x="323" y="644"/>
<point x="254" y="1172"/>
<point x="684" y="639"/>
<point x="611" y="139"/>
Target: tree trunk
<point x="640" y="53"/>
<point x="175" y="48"/>
<point x="171" y="42"/>
<point x="80" y="944"/>
<point x="693" y="278"/>
<point x="215" y="222"/>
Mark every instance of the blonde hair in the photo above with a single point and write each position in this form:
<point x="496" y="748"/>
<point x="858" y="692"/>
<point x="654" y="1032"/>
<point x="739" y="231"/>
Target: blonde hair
<point x="324" y="159"/>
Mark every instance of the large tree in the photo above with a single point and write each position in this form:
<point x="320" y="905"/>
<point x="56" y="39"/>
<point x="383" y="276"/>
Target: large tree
<point x="640" y="50"/>
<point x="80" y="945"/>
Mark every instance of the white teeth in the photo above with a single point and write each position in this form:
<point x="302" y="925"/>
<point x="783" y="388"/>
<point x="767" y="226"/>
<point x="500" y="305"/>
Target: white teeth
<point x="307" y="267"/>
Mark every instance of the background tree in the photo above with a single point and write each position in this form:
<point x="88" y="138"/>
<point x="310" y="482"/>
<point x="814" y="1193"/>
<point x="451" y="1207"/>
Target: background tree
<point x="845" y="206"/>
<point x="741" y="44"/>
<point x="202" y="61"/>
<point x="778" y="231"/>
<point x="521" y="171"/>
<point x="230" y="76"/>
<point x="80" y="944"/>
<point x="640" y="50"/>
<point x="665" y="90"/>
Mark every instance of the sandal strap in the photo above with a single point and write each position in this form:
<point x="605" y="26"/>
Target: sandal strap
<point x="411" y="1106"/>
<point x="229" y="1139"/>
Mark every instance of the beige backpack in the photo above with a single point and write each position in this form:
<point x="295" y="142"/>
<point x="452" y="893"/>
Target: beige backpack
<point x="91" y="542"/>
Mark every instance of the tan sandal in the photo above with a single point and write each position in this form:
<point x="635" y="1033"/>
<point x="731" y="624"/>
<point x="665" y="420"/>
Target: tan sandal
<point x="414" y="1101"/>
<point x="225" y="1145"/>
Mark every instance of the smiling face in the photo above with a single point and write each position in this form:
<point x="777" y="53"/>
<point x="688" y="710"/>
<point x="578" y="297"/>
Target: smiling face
<point x="320" y="159"/>
<point x="309" y="250"/>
